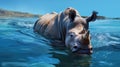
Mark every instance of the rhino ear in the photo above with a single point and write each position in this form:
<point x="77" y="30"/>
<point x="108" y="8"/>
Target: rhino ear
<point x="93" y="17"/>
<point x="72" y="14"/>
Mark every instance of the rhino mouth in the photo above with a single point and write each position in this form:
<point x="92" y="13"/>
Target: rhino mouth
<point x="83" y="51"/>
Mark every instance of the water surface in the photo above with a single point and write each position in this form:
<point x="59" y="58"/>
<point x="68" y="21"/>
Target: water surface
<point x="21" y="47"/>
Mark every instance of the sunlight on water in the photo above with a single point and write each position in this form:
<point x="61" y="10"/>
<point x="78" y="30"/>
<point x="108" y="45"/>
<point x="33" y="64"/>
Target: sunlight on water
<point x="21" y="47"/>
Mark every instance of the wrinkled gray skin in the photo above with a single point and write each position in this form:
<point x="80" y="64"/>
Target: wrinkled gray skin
<point x="68" y="27"/>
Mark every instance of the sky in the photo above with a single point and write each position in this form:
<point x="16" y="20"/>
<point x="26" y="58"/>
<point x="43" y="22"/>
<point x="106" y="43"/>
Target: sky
<point x="108" y="8"/>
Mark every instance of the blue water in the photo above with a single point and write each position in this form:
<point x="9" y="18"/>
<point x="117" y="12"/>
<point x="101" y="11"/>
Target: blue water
<point x="21" y="47"/>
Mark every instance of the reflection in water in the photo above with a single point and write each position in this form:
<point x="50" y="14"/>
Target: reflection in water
<point x="73" y="61"/>
<point x="68" y="59"/>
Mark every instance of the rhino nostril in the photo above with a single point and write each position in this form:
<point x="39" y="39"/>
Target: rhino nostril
<point x="75" y="47"/>
<point x="91" y="48"/>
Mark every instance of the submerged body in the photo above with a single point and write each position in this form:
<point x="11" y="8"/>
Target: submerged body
<point x="68" y="27"/>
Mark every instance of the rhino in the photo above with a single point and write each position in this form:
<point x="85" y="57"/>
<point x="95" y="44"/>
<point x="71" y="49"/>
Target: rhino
<point x="68" y="27"/>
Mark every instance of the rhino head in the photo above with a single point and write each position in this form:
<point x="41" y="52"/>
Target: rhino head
<point x="77" y="37"/>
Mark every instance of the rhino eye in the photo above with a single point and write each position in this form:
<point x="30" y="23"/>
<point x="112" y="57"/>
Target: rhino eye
<point x="72" y="34"/>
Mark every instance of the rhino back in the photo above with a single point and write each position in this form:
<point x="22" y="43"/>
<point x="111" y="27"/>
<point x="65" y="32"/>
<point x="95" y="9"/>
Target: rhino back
<point x="46" y="25"/>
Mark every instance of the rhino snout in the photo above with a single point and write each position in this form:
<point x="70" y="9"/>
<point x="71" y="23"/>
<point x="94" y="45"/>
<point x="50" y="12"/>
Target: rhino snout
<point x="81" y="50"/>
